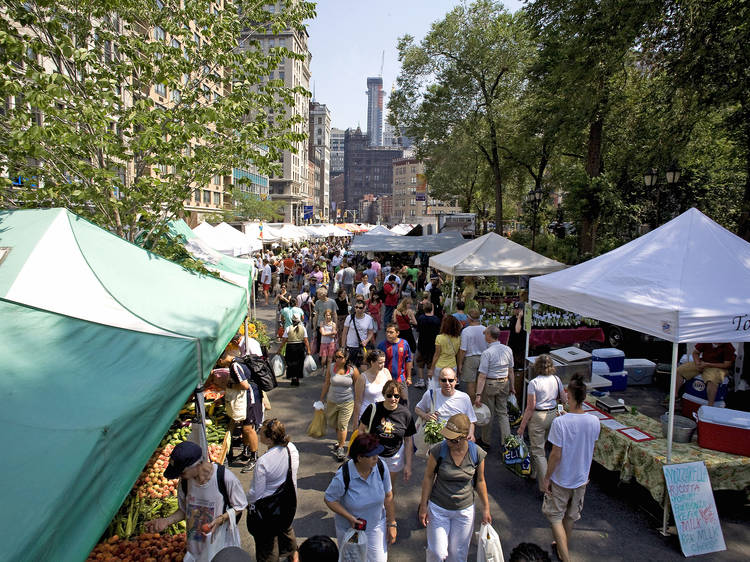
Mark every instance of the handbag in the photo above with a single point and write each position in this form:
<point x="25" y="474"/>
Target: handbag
<point x="274" y="514"/>
<point x="235" y="402"/>
<point x="356" y="431"/>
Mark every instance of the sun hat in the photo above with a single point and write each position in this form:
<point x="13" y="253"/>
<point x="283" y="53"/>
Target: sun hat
<point x="457" y="426"/>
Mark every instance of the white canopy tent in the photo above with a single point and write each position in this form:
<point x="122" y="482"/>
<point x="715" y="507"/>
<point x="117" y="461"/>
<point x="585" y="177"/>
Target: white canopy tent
<point x="243" y="244"/>
<point x="379" y="230"/>
<point x="291" y="233"/>
<point x="402" y="229"/>
<point x="686" y="281"/>
<point x="492" y="254"/>
<point x="224" y="241"/>
<point x="252" y="231"/>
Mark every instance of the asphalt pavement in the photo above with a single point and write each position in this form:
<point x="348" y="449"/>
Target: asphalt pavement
<point x="620" y="522"/>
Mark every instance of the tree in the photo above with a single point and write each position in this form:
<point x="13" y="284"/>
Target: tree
<point x="82" y="129"/>
<point x="248" y="206"/>
<point x="464" y="78"/>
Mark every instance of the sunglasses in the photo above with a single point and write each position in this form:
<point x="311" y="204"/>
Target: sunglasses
<point x="393" y="396"/>
<point x="456" y="441"/>
<point x="447" y="380"/>
<point x="339" y="356"/>
<point x="359" y="307"/>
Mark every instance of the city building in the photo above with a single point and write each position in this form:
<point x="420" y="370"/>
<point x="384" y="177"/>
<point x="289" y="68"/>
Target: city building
<point x="337" y="152"/>
<point x="411" y="200"/>
<point x="291" y="186"/>
<point x="337" y="195"/>
<point x="320" y="153"/>
<point x="367" y="169"/>
<point x="375" y="111"/>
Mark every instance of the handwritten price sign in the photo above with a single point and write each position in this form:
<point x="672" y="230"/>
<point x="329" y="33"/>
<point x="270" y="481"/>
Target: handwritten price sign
<point x="694" y="508"/>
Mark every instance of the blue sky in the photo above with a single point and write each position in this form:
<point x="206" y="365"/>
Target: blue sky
<point x="347" y="39"/>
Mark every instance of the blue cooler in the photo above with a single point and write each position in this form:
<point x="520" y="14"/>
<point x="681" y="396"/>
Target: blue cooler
<point x="640" y="371"/>
<point x="695" y="391"/>
<point x="613" y="357"/>
<point x="619" y="381"/>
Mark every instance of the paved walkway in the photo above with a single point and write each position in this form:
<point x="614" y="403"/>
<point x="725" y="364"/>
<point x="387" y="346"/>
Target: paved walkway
<point x="619" y="521"/>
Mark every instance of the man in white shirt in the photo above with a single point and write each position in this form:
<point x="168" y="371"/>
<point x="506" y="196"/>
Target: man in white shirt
<point x="494" y="383"/>
<point x="442" y="405"/>
<point x="473" y="343"/>
<point x="265" y="279"/>
<point x="363" y="288"/>
<point x="358" y="333"/>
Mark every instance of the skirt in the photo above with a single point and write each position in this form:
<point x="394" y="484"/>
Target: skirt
<point x="295" y="360"/>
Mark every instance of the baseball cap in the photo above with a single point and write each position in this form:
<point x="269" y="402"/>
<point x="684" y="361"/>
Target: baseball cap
<point x="517" y="305"/>
<point x="184" y="455"/>
<point x="456" y="426"/>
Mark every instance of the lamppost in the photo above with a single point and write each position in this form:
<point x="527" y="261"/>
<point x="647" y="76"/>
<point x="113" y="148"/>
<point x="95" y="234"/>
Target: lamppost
<point x="534" y="198"/>
<point x="651" y="179"/>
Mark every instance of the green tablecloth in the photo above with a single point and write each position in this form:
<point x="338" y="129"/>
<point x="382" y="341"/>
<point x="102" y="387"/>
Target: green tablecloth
<point x="644" y="460"/>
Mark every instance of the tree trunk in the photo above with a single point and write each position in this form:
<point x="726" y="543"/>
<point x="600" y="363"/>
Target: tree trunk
<point x="743" y="228"/>
<point x="593" y="169"/>
<point x="498" y="203"/>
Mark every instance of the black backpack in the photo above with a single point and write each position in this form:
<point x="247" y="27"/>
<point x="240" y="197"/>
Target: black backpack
<point x="260" y="371"/>
<point x="221" y="483"/>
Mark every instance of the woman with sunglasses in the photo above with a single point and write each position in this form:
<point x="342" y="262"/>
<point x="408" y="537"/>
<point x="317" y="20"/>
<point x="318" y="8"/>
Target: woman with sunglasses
<point x="369" y="387"/>
<point x="270" y="473"/>
<point x="338" y="394"/>
<point x="454" y="473"/>
<point x="393" y="425"/>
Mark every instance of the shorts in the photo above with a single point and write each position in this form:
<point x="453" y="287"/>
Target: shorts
<point x="470" y="368"/>
<point x="328" y="349"/>
<point x="689" y="371"/>
<point x="266" y="286"/>
<point x="424" y="359"/>
<point x="254" y="415"/>
<point x="396" y="462"/>
<point x="563" y="502"/>
<point x="339" y="415"/>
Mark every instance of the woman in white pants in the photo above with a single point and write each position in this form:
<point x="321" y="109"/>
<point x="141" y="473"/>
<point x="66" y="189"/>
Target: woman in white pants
<point x="455" y="470"/>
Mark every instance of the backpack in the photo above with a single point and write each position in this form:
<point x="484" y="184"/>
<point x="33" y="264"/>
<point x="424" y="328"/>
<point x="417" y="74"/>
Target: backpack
<point x="347" y="476"/>
<point x="221" y="482"/>
<point x="473" y="457"/>
<point x="260" y="371"/>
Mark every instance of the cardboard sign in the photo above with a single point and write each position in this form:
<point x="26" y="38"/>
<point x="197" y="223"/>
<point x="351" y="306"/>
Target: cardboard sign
<point x="694" y="508"/>
<point x="527" y="317"/>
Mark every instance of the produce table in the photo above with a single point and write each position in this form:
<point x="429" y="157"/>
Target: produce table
<point x="559" y="336"/>
<point x="644" y="460"/>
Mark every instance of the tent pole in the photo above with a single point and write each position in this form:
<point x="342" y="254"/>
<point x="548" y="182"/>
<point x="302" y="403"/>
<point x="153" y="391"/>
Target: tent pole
<point x="670" y="430"/>
<point x="453" y="290"/>
<point x="525" y="361"/>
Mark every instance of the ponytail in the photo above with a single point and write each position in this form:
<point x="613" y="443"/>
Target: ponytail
<point x="577" y="388"/>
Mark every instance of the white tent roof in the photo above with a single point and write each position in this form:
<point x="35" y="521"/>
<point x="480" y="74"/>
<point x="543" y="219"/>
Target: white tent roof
<point x="402" y="229"/>
<point x="379" y="230"/>
<point x="224" y="241"/>
<point x="243" y="244"/>
<point x="291" y="232"/>
<point x="252" y="231"/>
<point x="492" y="254"/>
<point x="686" y="281"/>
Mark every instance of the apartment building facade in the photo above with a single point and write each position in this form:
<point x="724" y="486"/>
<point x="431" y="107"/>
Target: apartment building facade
<point x="411" y="198"/>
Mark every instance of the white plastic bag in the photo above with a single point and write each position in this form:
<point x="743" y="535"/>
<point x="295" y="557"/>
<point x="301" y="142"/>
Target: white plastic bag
<point x="512" y="400"/>
<point x="278" y="365"/>
<point x="489" y="548"/>
<point x="353" y="551"/>
<point x="484" y="416"/>
<point x="309" y="367"/>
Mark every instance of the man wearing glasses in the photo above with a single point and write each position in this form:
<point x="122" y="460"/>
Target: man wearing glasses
<point x="398" y="359"/>
<point x="447" y="402"/>
<point x="358" y="333"/>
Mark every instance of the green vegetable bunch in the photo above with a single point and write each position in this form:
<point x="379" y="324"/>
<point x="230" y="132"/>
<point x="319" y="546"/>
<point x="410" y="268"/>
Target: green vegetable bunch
<point x="432" y="433"/>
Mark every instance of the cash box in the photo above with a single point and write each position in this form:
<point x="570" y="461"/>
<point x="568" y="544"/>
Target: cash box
<point x="724" y="430"/>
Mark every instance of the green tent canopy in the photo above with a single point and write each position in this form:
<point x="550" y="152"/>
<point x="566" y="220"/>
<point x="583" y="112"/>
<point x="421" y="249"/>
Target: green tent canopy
<point x="103" y="343"/>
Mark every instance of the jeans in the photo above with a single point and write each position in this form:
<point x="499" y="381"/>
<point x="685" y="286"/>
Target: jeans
<point x="495" y="397"/>
<point x="388" y="315"/>
<point x="539" y="426"/>
<point x="449" y="533"/>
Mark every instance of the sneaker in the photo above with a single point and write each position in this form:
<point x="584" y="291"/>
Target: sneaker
<point x="340" y="453"/>
<point x="249" y="466"/>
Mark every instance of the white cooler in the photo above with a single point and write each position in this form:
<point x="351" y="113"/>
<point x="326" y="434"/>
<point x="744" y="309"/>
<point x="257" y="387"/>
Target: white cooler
<point x="640" y="371"/>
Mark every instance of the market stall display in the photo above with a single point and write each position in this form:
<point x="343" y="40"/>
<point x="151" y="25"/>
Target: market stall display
<point x="126" y="337"/>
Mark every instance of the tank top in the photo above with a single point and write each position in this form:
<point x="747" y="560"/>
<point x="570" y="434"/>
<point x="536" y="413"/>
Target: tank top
<point x="373" y="393"/>
<point x="342" y="387"/>
<point x="403" y="321"/>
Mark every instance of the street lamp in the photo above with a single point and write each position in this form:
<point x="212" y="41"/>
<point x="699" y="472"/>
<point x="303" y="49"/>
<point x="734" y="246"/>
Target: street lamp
<point x="534" y="198"/>
<point x="651" y="179"/>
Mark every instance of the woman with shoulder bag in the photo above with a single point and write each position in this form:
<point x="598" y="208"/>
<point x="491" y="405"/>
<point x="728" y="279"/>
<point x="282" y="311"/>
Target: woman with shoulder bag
<point x="360" y="496"/>
<point x="338" y="394"/>
<point x="455" y="470"/>
<point x="273" y="496"/>
<point x="544" y="391"/>
<point x="295" y="338"/>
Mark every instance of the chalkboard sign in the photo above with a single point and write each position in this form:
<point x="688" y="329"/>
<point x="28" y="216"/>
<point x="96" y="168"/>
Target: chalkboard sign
<point x="694" y="508"/>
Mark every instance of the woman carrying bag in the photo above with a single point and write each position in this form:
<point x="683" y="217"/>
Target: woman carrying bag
<point x="338" y="394"/>
<point x="455" y="470"/>
<point x="360" y="496"/>
<point x="272" y="496"/>
<point x="295" y="338"/>
<point x="544" y="391"/>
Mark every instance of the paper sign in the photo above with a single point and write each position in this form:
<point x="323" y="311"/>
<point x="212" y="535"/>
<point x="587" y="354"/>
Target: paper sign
<point x="600" y="415"/>
<point x="613" y="424"/>
<point x="635" y="434"/>
<point x="694" y="508"/>
<point x="586" y="407"/>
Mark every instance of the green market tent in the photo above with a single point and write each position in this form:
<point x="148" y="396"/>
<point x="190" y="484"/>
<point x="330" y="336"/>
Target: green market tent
<point x="102" y="343"/>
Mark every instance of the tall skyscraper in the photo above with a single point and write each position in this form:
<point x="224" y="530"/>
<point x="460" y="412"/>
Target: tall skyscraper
<point x="320" y="152"/>
<point x="375" y="111"/>
<point x="337" y="151"/>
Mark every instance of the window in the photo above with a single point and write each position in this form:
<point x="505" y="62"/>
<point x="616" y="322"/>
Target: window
<point x="160" y="89"/>
<point x="216" y="180"/>
<point x="175" y="96"/>
<point x="176" y="44"/>
<point x="281" y="75"/>
<point x="197" y="195"/>
<point x="197" y="39"/>
<point x="217" y="198"/>
<point x="206" y="197"/>
<point x="320" y="120"/>
<point x="159" y="34"/>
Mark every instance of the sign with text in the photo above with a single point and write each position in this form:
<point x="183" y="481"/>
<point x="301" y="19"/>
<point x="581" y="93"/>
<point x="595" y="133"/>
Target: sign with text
<point x="421" y="187"/>
<point x="694" y="508"/>
<point x="308" y="212"/>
